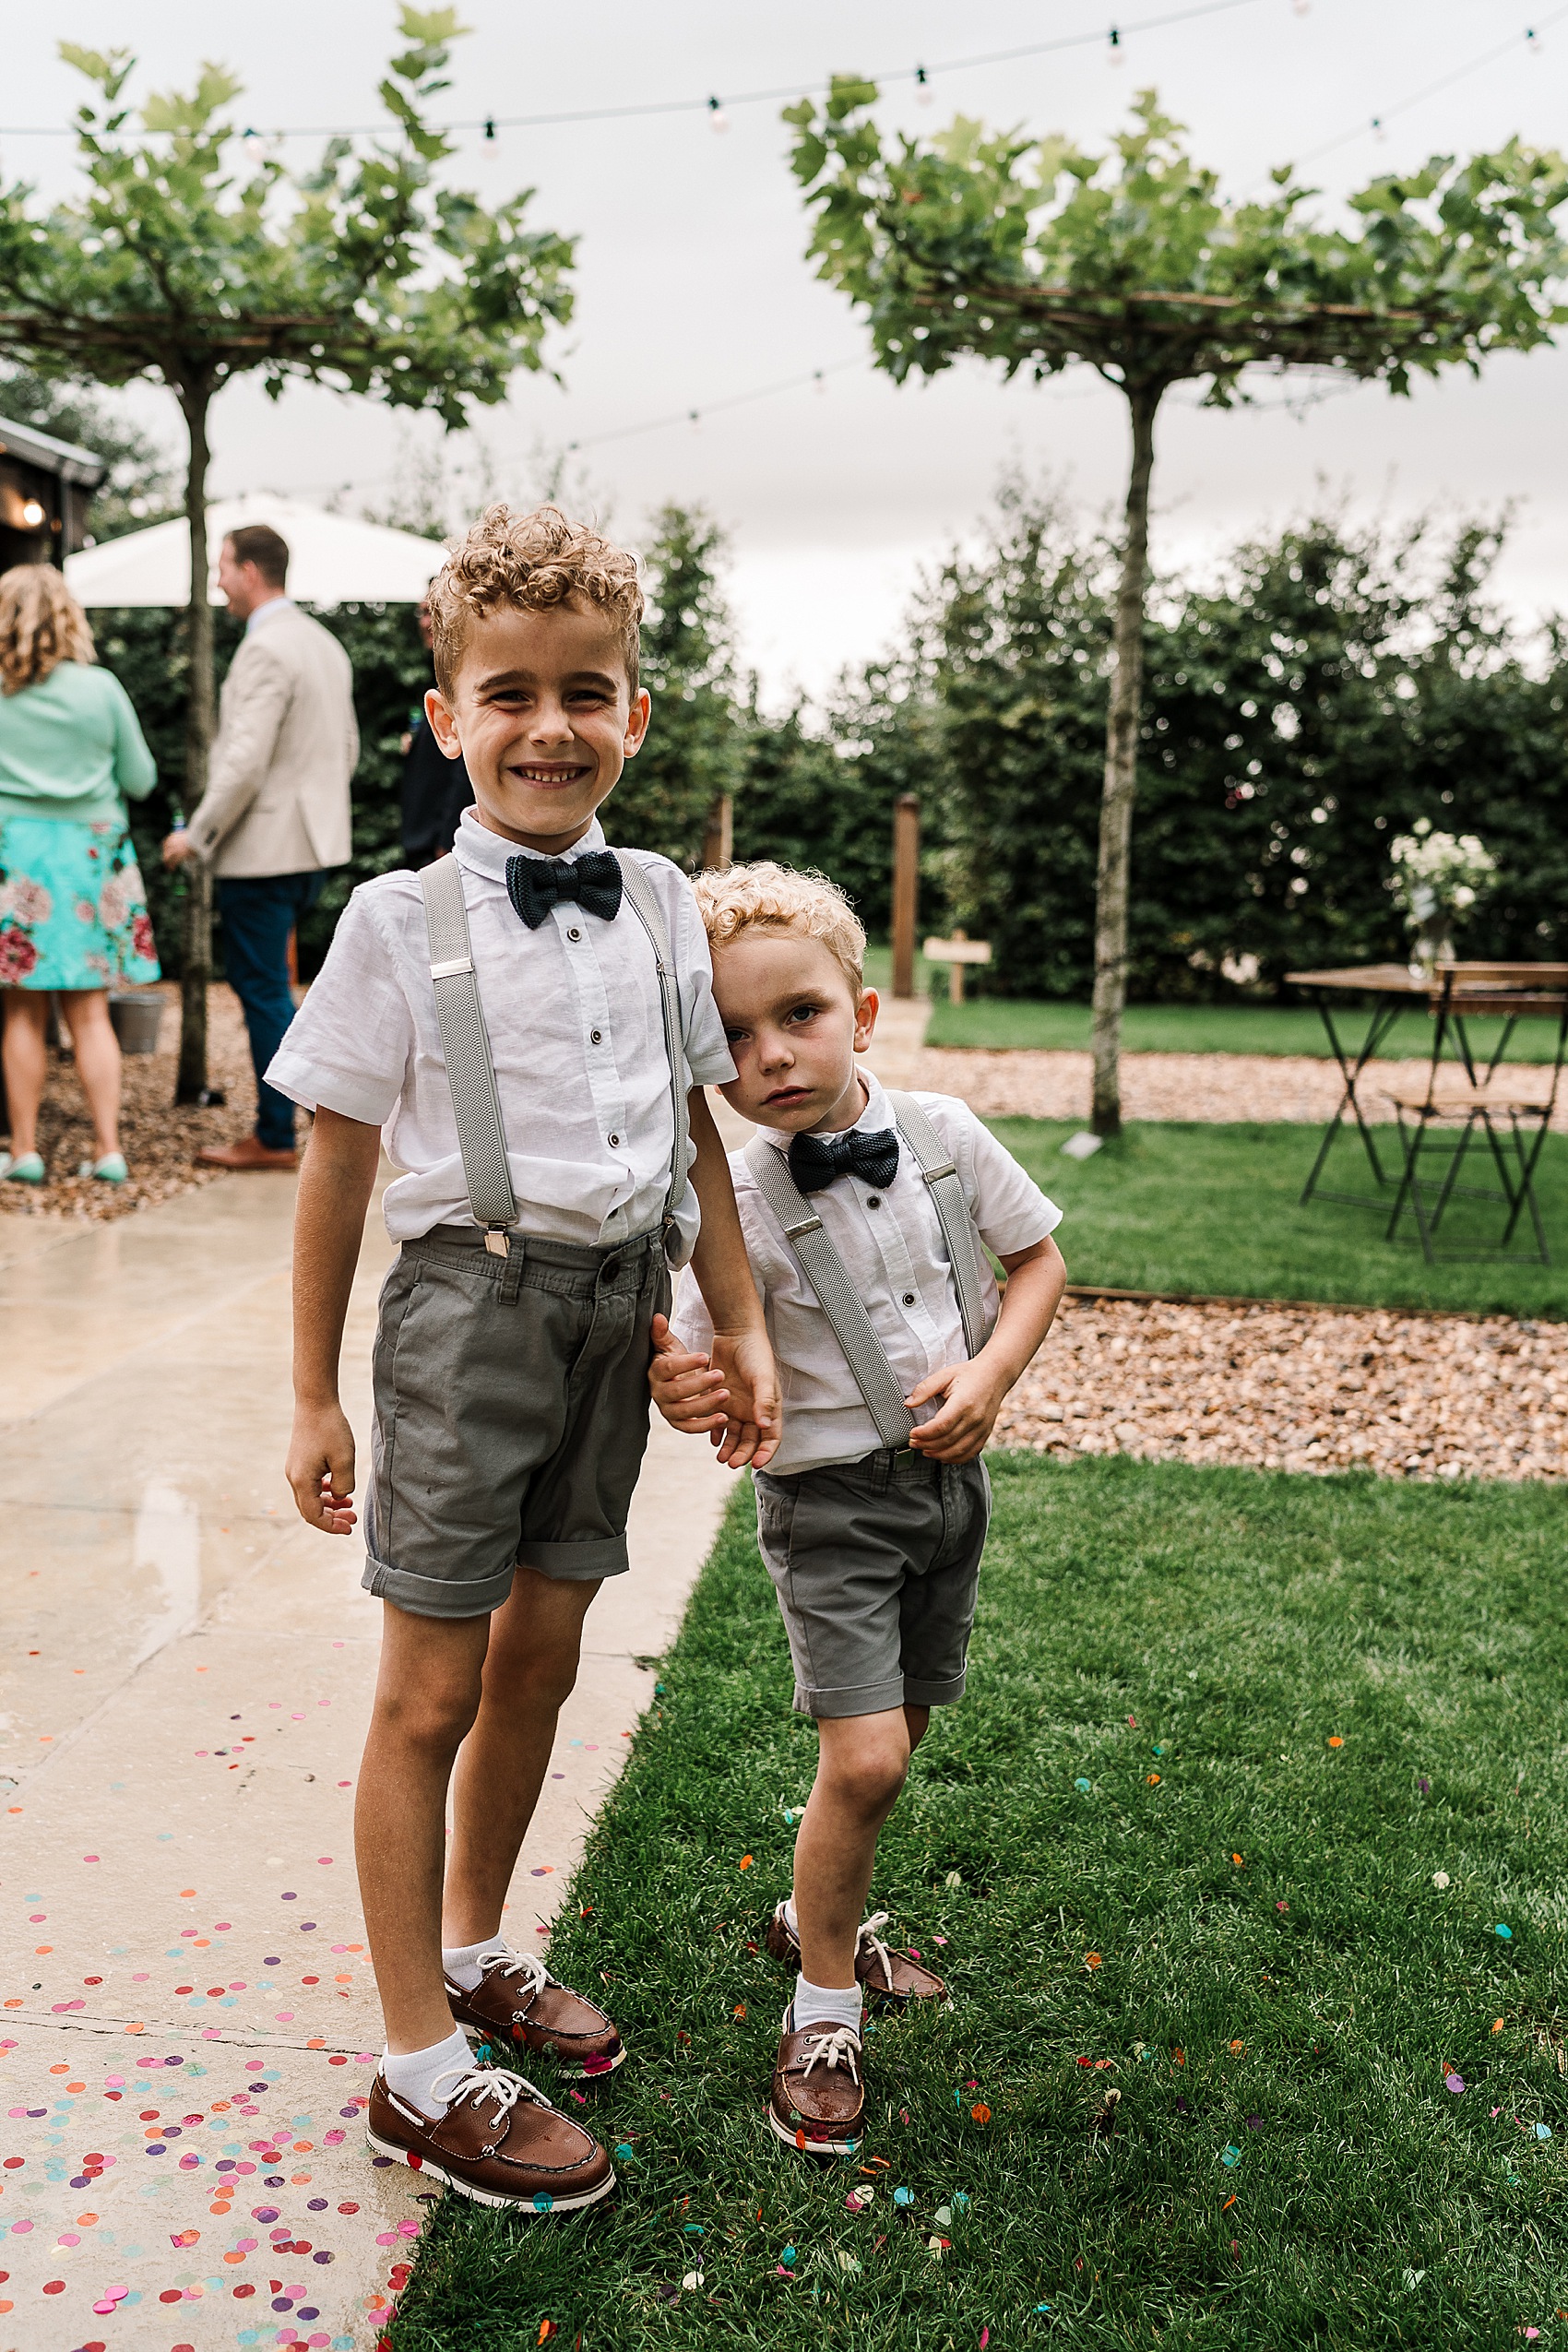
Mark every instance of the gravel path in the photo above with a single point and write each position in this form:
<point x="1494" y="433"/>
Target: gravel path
<point x="1024" y="1084"/>
<point x="1299" y="1388"/>
<point x="159" y="1142"/>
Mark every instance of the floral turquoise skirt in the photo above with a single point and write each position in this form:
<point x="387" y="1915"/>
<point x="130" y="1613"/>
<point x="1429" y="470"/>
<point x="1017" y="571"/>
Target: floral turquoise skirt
<point x="73" y="910"/>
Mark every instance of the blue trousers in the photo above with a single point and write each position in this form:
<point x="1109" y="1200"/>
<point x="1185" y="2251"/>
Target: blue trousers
<point x="259" y="912"/>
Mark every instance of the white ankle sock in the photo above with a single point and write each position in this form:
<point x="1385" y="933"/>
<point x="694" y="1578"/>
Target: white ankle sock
<point x="411" y="2074"/>
<point x="461" y="1961"/>
<point x="825" y="2005"/>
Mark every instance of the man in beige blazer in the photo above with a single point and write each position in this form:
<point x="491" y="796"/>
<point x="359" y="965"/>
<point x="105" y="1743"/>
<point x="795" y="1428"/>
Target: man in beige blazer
<point x="276" y="812"/>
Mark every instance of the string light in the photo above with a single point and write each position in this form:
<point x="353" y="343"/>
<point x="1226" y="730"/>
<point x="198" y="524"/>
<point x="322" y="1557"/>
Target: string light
<point x="712" y="105"/>
<point x="1533" y="40"/>
<point x="718" y="119"/>
<point x="924" y="94"/>
<point x="1116" y="58"/>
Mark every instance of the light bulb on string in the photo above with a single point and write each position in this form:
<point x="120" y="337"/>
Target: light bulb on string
<point x="1533" y="40"/>
<point x="694" y="418"/>
<point x="490" y="126"/>
<point x="924" y="94"/>
<point x="1302" y="7"/>
<point x="1116" y="57"/>
<point x="1378" y="132"/>
<point x="718" y="119"/>
<point x="818" y="379"/>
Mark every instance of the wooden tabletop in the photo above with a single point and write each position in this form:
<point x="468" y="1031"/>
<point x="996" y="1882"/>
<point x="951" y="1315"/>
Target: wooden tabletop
<point x="1474" y="985"/>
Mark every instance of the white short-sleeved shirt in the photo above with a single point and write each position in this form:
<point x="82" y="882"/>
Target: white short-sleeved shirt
<point x="576" y="1025"/>
<point x="893" y="1249"/>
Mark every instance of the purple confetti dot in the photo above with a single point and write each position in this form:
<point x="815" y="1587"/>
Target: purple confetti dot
<point x="1255" y="2123"/>
<point x="1425" y="1788"/>
<point x="274" y="1963"/>
<point x="1454" y="2082"/>
<point x="350" y="2111"/>
<point x="288" y="1899"/>
<point x="269" y="2213"/>
<point x="315" y="2204"/>
<point x="323" y="2257"/>
<point x="307" y="2311"/>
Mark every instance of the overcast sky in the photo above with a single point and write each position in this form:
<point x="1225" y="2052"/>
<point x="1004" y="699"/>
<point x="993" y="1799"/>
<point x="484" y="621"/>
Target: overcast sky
<point x="691" y="287"/>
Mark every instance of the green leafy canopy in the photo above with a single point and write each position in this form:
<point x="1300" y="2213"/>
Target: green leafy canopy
<point x="1031" y="253"/>
<point x="179" y="264"/>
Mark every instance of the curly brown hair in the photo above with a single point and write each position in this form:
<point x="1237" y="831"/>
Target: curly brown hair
<point x="41" y="625"/>
<point x="531" y="564"/>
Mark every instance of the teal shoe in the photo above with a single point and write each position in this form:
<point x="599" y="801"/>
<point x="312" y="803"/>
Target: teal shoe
<point x="110" y="1169"/>
<point x="29" y="1169"/>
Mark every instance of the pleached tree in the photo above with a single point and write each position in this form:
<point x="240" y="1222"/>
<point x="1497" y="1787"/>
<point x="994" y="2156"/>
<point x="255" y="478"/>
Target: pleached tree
<point x="1027" y="252"/>
<point x="192" y="255"/>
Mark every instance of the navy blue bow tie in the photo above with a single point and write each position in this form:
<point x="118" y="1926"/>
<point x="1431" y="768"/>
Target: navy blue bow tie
<point x="535" y="885"/>
<point x="815" y="1163"/>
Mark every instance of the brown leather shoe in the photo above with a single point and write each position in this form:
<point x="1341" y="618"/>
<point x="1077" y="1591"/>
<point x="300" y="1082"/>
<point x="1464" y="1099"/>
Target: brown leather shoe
<point x="519" y="2004"/>
<point x="892" y="1980"/>
<point x="500" y="2143"/>
<point x="818" y="2101"/>
<point x="249" y="1152"/>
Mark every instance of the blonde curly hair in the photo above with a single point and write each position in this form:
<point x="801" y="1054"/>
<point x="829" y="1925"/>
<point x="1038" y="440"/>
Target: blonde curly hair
<point x="41" y="625"/>
<point x="531" y="564"/>
<point x="770" y="897"/>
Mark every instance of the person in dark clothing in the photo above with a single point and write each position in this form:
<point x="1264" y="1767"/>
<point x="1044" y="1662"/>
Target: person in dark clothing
<point x="435" y="789"/>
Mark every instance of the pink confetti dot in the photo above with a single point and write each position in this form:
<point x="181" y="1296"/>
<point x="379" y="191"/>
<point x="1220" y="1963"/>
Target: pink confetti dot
<point x="89" y="1858"/>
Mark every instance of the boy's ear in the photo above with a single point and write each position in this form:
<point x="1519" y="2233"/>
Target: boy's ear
<point x="866" y="1012"/>
<point x="443" y="723"/>
<point x="637" y="723"/>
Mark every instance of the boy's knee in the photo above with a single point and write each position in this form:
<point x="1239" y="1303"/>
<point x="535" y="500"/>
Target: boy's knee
<point x="435" y="1718"/>
<point x="870" y="1778"/>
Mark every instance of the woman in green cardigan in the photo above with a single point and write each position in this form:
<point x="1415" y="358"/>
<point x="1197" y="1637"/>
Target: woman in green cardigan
<point x="73" y="911"/>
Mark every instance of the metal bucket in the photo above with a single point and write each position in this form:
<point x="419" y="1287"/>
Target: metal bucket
<point x="137" y="1019"/>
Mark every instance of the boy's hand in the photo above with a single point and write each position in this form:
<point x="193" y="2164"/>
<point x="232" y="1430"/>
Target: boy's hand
<point x="320" y="1468"/>
<point x="972" y="1400"/>
<point x="688" y="1392"/>
<point x="754" y="1419"/>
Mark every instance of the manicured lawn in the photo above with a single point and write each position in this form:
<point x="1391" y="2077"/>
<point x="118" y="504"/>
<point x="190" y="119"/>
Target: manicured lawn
<point x="1214" y="1209"/>
<point x="1225" y="1729"/>
<point x="1208" y="1028"/>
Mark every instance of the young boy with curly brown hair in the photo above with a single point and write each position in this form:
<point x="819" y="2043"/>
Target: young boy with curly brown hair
<point x="863" y="1212"/>
<point x="528" y="1025"/>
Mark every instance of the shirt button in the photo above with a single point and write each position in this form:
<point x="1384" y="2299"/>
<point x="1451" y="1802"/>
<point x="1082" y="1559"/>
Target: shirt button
<point x="574" y="934"/>
<point x="596" y="1037"/>
<point x="874" y="1200"/>
<point x="614" y="1141"/>
<point x="908" y="1298"/>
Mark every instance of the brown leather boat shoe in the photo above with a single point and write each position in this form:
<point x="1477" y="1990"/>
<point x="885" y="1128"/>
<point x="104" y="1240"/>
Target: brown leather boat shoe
<point x="892" y="1980"/>
<point x="249" y="1152"/>
<point x="818" y="2101"/>
<point x="500" y="2143"/>
<point x="519" y="2005"/>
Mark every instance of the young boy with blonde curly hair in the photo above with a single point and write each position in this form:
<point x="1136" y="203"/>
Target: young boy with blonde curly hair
<point x="528" y="1025"/>
<point x="862" y="1212"/>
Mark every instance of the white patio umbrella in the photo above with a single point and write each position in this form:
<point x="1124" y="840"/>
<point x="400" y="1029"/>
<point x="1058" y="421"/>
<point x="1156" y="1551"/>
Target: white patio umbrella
<point x="333" y="558"/>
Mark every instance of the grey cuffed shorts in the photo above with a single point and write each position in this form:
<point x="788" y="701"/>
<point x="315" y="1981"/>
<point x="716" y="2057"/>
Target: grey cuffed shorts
<point x="876" y="1565"/>
<point x="511" y="1415"/>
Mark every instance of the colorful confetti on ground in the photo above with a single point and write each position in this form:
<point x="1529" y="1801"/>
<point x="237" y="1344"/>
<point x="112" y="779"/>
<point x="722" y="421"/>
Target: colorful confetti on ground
<point x="188" y="2022"/>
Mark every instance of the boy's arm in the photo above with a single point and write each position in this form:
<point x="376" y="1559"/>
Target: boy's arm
<point x="336" y="1182"/>
<point x="973" y="1392"/>
<point x="753" y="1418"/>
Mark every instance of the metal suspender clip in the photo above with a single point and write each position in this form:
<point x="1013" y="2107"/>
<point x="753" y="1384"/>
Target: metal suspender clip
<point x="450" y="970"/>
<point x="935" y="1175"/>
<point x="803" y="1225"/>
<point x="496" y="1243"/>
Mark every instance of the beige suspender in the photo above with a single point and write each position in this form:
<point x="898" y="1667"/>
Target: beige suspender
<point x="836" y="1295"/>
<point x="471" y="1066"/>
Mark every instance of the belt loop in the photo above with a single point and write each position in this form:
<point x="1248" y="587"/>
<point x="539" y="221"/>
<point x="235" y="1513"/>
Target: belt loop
<point x="512" y="1277"/>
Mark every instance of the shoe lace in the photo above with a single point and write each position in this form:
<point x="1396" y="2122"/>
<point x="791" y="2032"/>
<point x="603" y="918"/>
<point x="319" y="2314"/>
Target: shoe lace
<point x="481" y="2082"/>
<point x="840" y="2048"/>
<point x="527" y="1965"/>
<point x="869" y="1941"/>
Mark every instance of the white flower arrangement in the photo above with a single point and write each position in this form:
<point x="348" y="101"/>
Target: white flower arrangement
<point x="1438" y="874"/>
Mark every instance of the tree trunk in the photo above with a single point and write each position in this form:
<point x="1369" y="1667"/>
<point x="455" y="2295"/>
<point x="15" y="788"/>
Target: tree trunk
<point x="1121" y="780"/>
<point x="190" y="1083"/>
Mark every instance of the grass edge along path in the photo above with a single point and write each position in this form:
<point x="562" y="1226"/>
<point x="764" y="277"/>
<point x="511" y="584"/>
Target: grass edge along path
<point x="1255" y="1815"/>
<point x="1000" y="1024"/>
<point x="1200" y="1210"/>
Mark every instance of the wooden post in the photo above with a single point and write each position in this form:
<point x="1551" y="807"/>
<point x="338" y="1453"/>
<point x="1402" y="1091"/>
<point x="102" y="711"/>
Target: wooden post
<point x="718" y="837"/>
<point x="956" y="972"/>
<point x="906" y="890"/>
